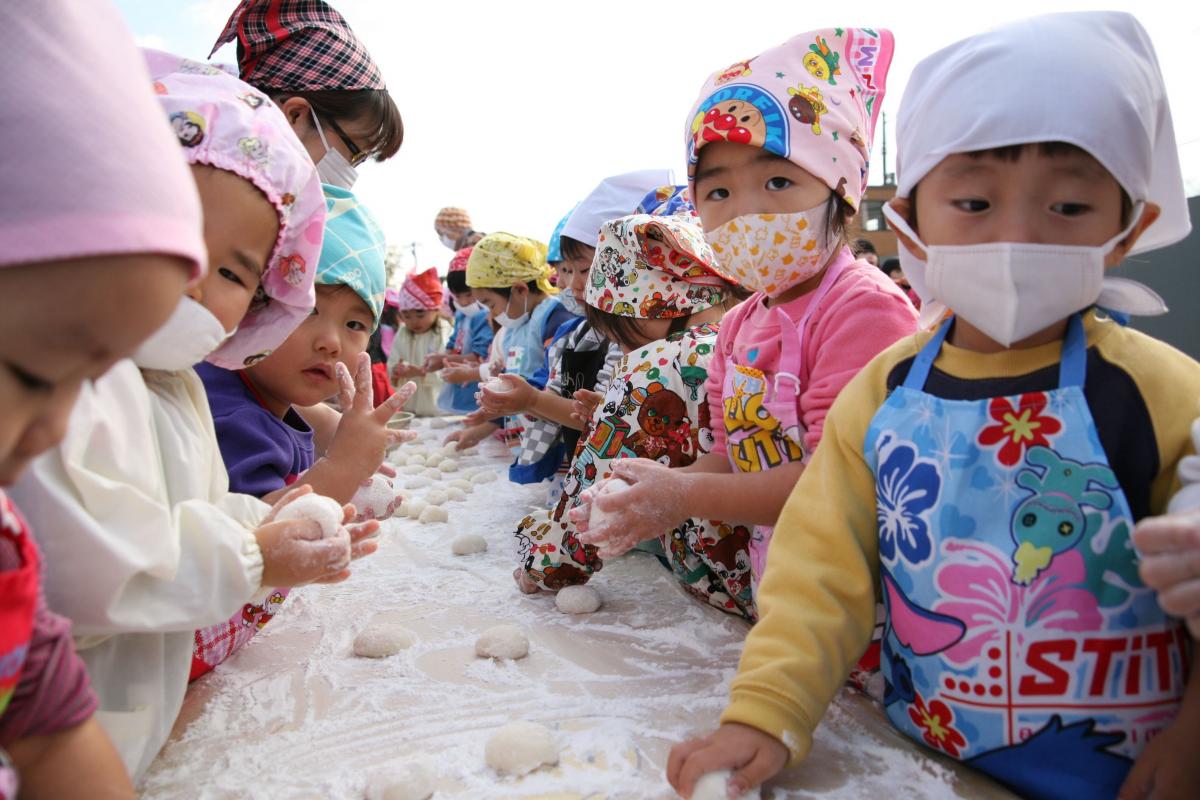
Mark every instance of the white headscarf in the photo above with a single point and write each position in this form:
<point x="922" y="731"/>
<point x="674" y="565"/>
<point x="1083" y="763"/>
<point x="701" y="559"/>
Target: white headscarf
<point x="614" y="197"/>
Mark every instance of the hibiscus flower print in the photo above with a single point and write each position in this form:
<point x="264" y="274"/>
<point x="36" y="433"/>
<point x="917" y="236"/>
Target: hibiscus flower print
<point x="906" y="488"/>
<point x="936" y="724"/>
<point x="1016" y="429"/>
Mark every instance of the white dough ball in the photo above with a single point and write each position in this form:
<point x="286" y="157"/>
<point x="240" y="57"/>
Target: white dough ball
<point x="415" y="460"/>
<point x="382" y="639"/>
<point x="483" y="477"/>
<point x="439" y="423"/>
<point x="613" y="485"/>
<point x="434" y="460"/>
<point x="320" y="509"/>
<point x="376" y="500"/>
<point x="468" y="544"/>
<point x="577" y="600"/>
<point x="714" y="786"/>
<point x="435" y="497"/>
<point x="433" y="515"/>
<point x="414" y="508"/>
<point x="450" y="448"/>
<point x="432" y="474"/>
<point x="497" y="385"/>
<point x="461" y="485"/>
<point x="410" y="782"/>
<point x="419" y="482"/>
<point x="411" y="469"/>
<point x="454" y="494"/>
<point x="502" y="641"/>
<point x="448" y="465"/>
<point x="521" y="747"/>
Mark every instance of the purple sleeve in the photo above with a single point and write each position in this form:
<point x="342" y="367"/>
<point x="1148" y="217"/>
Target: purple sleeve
<point x="258" y="455"/>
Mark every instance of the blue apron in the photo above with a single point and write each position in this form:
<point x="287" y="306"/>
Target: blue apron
<point x="1019" y="638"/>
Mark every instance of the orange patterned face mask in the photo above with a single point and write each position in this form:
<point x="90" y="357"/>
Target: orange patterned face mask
<point x="771" y="253"/>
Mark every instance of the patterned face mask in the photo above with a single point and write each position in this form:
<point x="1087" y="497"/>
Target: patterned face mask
<point x="771" y="253"/>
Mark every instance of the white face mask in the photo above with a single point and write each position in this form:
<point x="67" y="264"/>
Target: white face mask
<point x="570" y="302"/>
<point x="448" y="240"/>
<point x="505" y="321"/>
<point x="333" y="168"/>
<point x="191" y="333"/>
<point x="473" y="310"/>
<point x="772" y="253"/>
<point x="1012" y="290"/>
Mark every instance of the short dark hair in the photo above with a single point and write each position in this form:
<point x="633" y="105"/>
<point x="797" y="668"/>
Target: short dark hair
<point x="574" y="249"/>
<point x="890" y="263"/>
<point x="457" y="282"/>
<point x="626" y="331"/>
<point x="506" y="291"/>
<point x="860" y="246"/>
<point x="373" y="107"/>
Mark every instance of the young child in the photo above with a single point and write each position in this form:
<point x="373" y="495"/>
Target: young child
<point x="777" y="155"/>
<point x="121" y="244"/>
<point x="468" y="344"/>
<point x="656" y="292"/>
<point x="985" y="476"/>
<point x="422" y="334"/>
<point x="146" y="544"/>
<point x="380" y="346"/>
<point x="508" y="275"/>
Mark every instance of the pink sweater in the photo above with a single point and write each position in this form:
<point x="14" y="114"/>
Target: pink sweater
<point x="863" y="313"/>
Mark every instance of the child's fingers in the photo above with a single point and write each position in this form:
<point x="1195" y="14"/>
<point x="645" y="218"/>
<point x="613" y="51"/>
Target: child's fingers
<point x="679" y="755"/>
<point x="346" y="391"/>
<point x="395" y="438"/>
<point x="387" y="470"/>
<point x="760" y="768"/>
<point x="699" y="763"/>
<point x="1181" y="599"/>
<point x="394" y="403"/>
<point x="363" y="530"/>
<point x="1168" y="534"/>
<point x="1164" y="571"/>
<point x="361" y="549"/>
<point x="634" y="470"/>
<point x="288" y="497"/>
<point x="336" y="577"/>
<point x="364" y="396"/>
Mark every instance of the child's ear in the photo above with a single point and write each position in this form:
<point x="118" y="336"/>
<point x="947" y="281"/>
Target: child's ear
<point x="1150" y="213"/>
<point x="520" y="289"/>
<point x="905" y="208"/>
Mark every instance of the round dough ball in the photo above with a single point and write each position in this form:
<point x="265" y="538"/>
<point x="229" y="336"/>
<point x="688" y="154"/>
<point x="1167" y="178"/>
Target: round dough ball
<point x="439" y="423"/>
<point x="577" y="600"/>
<point x="486" y="476"/>
<point x="410" y="782"/>
<point x="462" y="485"/>
<point x="433" y="515"/>
<point x="468" y="544"/>
<point x="502" y="641"/>
<point x="382" y="639"/>
<point x="448" y="465"/>
<point x="415" y="460"/>
<point x="434" y="460"/>
<point x="497" y="385"/>
<point x="419" y="482"/>
<point x="411" y="469"/>
<point x="454" y="494"/>
<point x="320" y="509"/>
<point x="450" y="448"/>
<point x="613" y="485"/>
<point x="435" y="497"/>
<point x="432" y="474"/>
<point x="414" y="508"/>
<point x="715" y="786"/>
<point x="520" y="747"/>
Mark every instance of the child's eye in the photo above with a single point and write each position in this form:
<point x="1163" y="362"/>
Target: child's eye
<point x="718" y="194"/>
<point x="1070" y="209"/>
<point x="31" y="382"/>
<point x="230" y="275"/>
<point x="778" y="184"/>
<point x="355" y="325"/>
<point x="973" y="206"/>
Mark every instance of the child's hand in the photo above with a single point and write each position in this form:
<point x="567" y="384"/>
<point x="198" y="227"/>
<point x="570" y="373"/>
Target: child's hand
<point x="468" y="437"/>
<point x="750" y="754"/>
<point x="460" y="373"/>
<point x="434" y="362"/>
<point x="406" y="372"/>
<point x="655" y="502"/>
<point x="362" y="437"/>
<point x="585" y="405"/>
<point x="1170" y="563"/>
<point x="294" y="551"/>
<point x="1167" y="769"/>
<point x="520" y="397"/>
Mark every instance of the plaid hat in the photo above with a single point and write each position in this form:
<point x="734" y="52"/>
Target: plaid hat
<point x="298" y="45"/>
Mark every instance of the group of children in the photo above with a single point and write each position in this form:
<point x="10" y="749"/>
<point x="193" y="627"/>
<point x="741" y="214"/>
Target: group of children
<point x="984" y="512"/>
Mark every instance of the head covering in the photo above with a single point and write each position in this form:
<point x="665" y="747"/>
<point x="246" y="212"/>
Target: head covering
<point x="1090" y="79"/>
<point x="422" y="291"/>
<point x="452" y="220"/>
<point x="668" y="201"/>
<point x="649" y="267"/>
<point x="613" y="197"/>
<point x="354" y="249"/>
<point x="502" y="259"/>
<point x="391" y="298"/>
<point x="298" y="45"/>
<point x="813" y="100"/>
<point x="84" y="99"/>
<point x="225" y="123"/>
<point x="459" y="262"/>
<point x="554" y="250"/>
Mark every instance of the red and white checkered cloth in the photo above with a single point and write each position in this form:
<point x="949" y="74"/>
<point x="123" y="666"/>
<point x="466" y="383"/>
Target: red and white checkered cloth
<point x="298" y="45"/>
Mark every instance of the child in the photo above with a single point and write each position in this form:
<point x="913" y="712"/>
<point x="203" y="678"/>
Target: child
<point x="120" y="243"/>
<point x="988" y="473"/>
<point x="423" y="334"/>
<point x="452" y="226"/>
<point x="655" y="291"/>
<point x="380" y="346"/>
<point x="508" y="275"/>
<point x="469" y="341"/>
<point x="777" y="153"/>
<point x="145" y="542"/>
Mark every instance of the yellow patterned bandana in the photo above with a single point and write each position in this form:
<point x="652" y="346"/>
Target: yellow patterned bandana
<point x="502" y="259"/>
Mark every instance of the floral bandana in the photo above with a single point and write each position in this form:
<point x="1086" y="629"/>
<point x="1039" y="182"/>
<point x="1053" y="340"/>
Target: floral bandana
<point x="813" y="100"/>
<point x="421" y="292"/>
<point x="459" y="262"/>
<point x="225" y="123"/>
<point x="502" y="259"/>
<point x="650" y="267"/>
<point x="771" y="253"/>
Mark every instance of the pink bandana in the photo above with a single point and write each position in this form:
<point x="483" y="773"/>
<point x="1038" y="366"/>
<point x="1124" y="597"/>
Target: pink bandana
<point x="421" y="292"/>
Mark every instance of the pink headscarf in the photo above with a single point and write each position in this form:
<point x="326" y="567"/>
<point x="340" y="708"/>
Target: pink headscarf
<point x="230" y="125"/>
<point x="422" y="292"/>
<point x="90" y="167"/>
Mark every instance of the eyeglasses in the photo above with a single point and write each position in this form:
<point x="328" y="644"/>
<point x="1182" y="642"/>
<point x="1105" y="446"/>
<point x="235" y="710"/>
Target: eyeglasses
<point x="357" y="156"/>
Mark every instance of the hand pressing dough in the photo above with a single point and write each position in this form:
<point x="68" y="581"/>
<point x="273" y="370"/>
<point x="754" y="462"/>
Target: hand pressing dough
<point x="448" y="465"/>
<point x="320" y="509"/>
<point x="715" y="786"/>
<point x="461" y="485"/>
<point x="483" y="477"/>
<point x="433" y="515"/>
<point x="577" y="600"/>
<point x="410" y="782"/>
<point x="435" y="497"/>
<point x="381" y="640"/>
<point x="450" y="448"/>
<point x="521" y="747"/>
<point x="468" y="544"/>
<point x="498" y="385"/>
<point x="613" y="485"/>
<point x="502" y="641"/>
<point x="455" y="495"/>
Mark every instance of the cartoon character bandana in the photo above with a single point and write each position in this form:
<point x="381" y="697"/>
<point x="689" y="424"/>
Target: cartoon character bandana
<point x="813" y="100"/>
<point x="225" y="123"/>
<point x="650" y="267"/>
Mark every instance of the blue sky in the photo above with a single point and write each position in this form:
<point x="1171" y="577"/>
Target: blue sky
<point x="515" y="110"/>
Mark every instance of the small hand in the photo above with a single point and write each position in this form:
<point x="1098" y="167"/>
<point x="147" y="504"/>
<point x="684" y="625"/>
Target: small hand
<point x="584" y="405"/>
<point x="752" y="756"/>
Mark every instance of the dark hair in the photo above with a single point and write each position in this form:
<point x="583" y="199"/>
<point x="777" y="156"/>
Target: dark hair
<point x="573" y="249"/>
<point x="838" y="214"/>
<point x="1013" y="152"/>
<point x="374" y="107"/>
<point x="860" y="246"/>
<point x="888" y="264"/>
<point x="506" y="291"/>
<point x="627" y="331"/>
<point x="456" y="282"/>
<point x="390" y="316"/>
